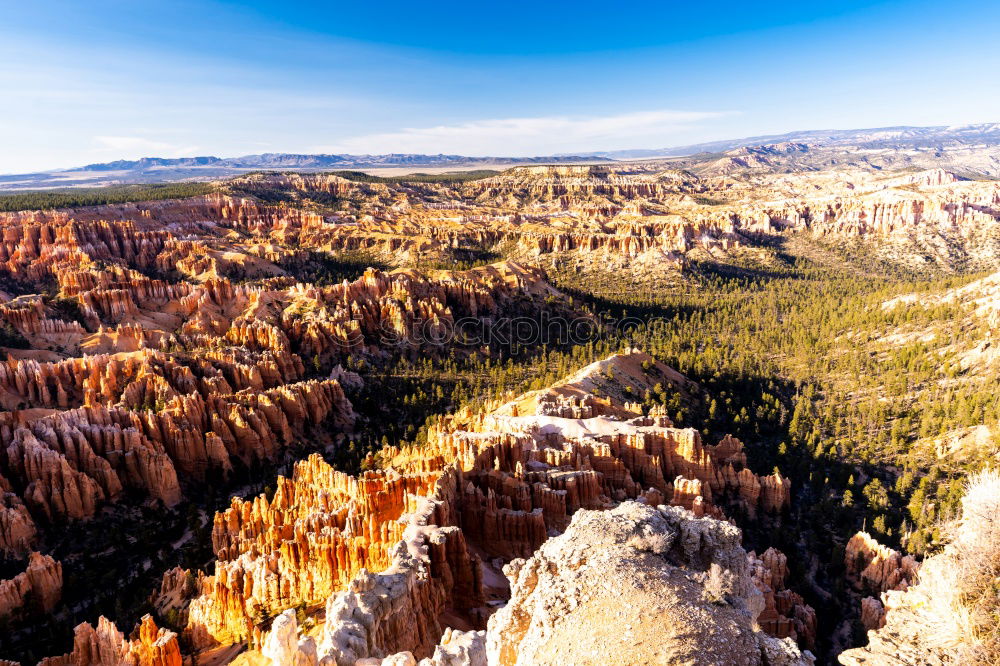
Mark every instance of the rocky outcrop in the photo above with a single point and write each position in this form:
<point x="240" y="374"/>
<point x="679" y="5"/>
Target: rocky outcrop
<point x="602" y="212"/>
<point x="390" y="553"/>
<point x="526" y="473"/>
<point x="785" y="613"/>
<point x="652" y="586"/>
<point x="17" y="529"/>
<point x="72" y="462"/>
<point x="171" y="348"/>
<point x="875" y="567"/>
<point x="381" y="614"/>
<point x="67" y="465"/>
<point x="173" y="345"/>
<point x="320" y="536"/>
<point x="948" y="615"/>
<point x="872" y="613"/>
<point x="170" y="382"/>
<point x="35" y="590"/>
<point x="459" y="648"/>
<point x="175" y="350"/>
<point x="105" y="645"/>
<point x="283" y="645"/>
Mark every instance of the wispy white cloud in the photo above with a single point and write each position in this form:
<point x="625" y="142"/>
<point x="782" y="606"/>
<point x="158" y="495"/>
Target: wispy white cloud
<point x="532" y="136"/>
<point x="130" y="147"/>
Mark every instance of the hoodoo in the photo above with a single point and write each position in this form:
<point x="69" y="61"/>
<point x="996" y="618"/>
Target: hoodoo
<point x="358" y="419"/>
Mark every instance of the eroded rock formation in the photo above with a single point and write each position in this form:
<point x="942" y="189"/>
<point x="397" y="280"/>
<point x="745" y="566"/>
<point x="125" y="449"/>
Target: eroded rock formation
<point x="174" y="344"/>
<point x="105" y="645"/>
<point x="392" y="554"/>
<point x="35" y="590"/>
<point x="71" y="462"/>
<point x="145" y="417"/>
<point x="875" y="567"/>
<point x="649" y="215"/>
<point x="651" y="585"/>
<point x="948" y="614"/>
<point x="321" y="530"/>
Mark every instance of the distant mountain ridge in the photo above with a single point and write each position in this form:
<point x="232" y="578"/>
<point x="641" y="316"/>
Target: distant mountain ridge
<point x="972" y="150"/>
<point x="297" y="160"/>
<point x="147" y="163"/>
<point x="207" y="167"/>
<point x="897" y="137"/>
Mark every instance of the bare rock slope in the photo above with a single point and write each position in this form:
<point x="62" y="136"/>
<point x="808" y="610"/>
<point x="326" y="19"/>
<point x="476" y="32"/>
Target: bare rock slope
<point x="650" y="585"/>
<point x="949" y="615"/>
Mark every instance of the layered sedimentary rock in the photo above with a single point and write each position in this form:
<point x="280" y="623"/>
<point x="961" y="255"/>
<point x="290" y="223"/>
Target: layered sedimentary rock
<point x="875" y="567"/>
<point x="283" y="645"/>
<point x="320" y="534"/>
<point x="785" y="613"/>
<point x="17" y="528"/>
<point x="71" y="462"/>
<point x="526" y="473"/>
<point x="35" y="590"/>
<point x="105" y="645"/>
<point x="173" y="344"/>
<point x="647" y="214"/>
<point x="146" y="416"/>
<point x="399" y="609"/>
<point x="168" y="345"/>
<point x="100" y="256"/>
<point x="872" y="613"/>
<point x="390" y="554"/>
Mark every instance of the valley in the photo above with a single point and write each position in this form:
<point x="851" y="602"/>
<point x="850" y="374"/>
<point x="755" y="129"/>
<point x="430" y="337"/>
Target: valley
<point x="304" y="418"/>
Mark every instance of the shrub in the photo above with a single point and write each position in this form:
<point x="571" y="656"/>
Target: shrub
<point x="961" y="610"/>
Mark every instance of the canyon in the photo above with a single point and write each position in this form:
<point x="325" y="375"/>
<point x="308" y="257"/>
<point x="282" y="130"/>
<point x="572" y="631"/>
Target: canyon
<point x="393" y="556"/>
<point x="643" y="217"/>
<point x="228" y="365"/>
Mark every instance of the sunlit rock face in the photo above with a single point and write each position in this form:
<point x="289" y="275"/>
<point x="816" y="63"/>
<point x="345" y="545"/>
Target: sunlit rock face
<point x="653" y="585"/>
<point x="873" y="566"/>
<point x="164" y="381"/>
<point x="654" y="217"/>
<point x="159" y="349"/>
<point x="72" y="462"/>
<point x="946" y="612"/>
<point x="166" y="346"/>
<point x="874" y="569"/>
<point x="398" y="555"/>
<point x="104" y="645"/>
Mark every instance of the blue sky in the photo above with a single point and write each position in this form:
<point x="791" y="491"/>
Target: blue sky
<point x="99" y="80"/>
